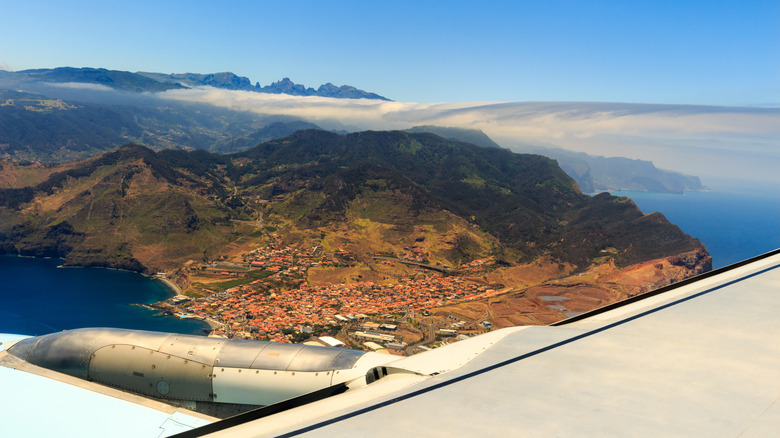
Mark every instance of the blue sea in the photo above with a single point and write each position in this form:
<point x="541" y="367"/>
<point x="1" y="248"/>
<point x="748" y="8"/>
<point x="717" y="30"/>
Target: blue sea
<point x="37" y="296"/>
<point x="735" y="220"/>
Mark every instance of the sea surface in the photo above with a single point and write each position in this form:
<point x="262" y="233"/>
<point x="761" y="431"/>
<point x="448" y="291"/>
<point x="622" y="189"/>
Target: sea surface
<point x="38" y="297"/>
<point x="735" y="220"/>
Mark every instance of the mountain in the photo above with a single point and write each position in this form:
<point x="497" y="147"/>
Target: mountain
<point x="40" y="128"/>
<point x="231" y="81"/>
<point x="272" y="131"/>
<point x="224" y="80"/>
<point x="51" y="128"/>
<point x="367" y="192"/>
<point x="473" y="136"/>
<point x="526" y="201"/>
<point x="127" y="209"/>
<point x="346" y="92"/>
<point x="593" y="173"/>
<point x="120" y="80"/>
<point x="35" y="127"/>
<point x="598" y="174"/>
<point x="155" y="82"/>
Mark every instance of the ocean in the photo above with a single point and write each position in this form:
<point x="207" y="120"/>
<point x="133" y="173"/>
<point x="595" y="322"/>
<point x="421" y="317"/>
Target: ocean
<point x="38" y="297"/>
<point x="735" y="220"/>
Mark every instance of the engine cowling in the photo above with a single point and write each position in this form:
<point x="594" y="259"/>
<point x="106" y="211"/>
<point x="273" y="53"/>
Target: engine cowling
<point x="187" y="368"/>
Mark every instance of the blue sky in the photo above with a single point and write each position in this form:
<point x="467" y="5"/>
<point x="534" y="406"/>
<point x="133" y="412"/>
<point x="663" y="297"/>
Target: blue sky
<point x="678" y="52"/>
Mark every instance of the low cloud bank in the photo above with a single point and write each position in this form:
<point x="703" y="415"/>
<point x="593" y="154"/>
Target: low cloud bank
<point x="700" y="140"/>
<point x="80" y="86"/>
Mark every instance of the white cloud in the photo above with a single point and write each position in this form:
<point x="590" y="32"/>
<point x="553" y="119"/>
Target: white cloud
<point x="692" y="139"/>
<point x="80" y="86"/>
<point x="360" y="112"/>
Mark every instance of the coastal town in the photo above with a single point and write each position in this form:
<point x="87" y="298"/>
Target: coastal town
<point x="268" y="298"/>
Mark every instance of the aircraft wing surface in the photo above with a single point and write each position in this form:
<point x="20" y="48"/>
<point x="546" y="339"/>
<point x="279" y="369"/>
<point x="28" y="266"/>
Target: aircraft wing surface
<point x="37" y="403"/>
<point x="700" y="358"/>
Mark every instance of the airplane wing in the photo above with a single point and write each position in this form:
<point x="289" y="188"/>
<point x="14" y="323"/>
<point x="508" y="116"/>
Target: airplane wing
<point x="40" y="403"/>
<point x="697" y="358"/>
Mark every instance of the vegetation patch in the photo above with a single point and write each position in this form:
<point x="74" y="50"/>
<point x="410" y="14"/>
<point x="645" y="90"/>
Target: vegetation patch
<point x="247" y="278"/>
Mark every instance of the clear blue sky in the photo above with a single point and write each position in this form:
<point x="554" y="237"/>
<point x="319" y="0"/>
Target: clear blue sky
<point x="690" y="52"/>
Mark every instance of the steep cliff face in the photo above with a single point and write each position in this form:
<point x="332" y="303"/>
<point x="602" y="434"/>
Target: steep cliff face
<point x="653" y="274"/>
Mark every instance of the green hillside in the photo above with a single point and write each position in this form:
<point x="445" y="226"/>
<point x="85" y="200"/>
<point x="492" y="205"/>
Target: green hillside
<point x="526" y="201"/>
<point x="142" y="210"/>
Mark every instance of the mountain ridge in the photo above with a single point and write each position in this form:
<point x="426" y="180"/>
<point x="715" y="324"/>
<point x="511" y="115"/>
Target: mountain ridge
<point x="117" y="79"/>
<point x="51" y="129"/>
<point x="523" y="206"/>
<point x="231" y="81"/>
<point x="138" y="82"/>
<point x="593" y="174"/>
<point x="598" y="174"/>
<point x="48" y="129"/>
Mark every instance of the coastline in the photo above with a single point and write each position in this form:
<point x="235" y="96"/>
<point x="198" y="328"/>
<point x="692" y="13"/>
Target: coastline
<point x="51" y="299"/>
<point x="174" y="288"/>
<point x="734" y="220"/>
<point x="213" y="324"/>
<point x="171" y="285"/>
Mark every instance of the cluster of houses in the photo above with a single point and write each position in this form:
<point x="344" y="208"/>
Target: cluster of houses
<point x="268" y="307"/>
<point x="259" y="310"/>
<point x="277" y="258"/>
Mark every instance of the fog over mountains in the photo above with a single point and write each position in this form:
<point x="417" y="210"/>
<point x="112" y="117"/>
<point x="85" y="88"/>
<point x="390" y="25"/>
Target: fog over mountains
<point x="33" y="127"/>
<point x="705" y="141"/>
<point x="593" y="174"/>
<point x="708" y="141"/>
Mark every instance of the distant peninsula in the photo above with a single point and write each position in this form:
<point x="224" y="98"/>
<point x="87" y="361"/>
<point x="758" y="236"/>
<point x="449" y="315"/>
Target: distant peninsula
<point x="596" y="174"/>
<point x="593" y="174"/>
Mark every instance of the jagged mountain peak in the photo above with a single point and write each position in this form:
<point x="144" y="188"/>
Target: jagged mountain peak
<point x="154" y="82"/>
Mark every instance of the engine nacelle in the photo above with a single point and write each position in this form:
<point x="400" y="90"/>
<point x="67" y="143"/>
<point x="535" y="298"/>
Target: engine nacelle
<point x="187" y="368"/>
